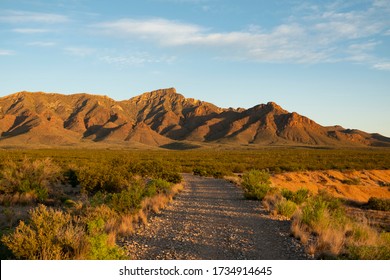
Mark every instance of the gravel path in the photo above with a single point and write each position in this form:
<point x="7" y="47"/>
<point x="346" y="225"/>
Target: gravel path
<point x="211" y="220"/>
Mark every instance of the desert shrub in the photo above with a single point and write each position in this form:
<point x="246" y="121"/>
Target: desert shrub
<point x="101" y="177"/>
<point x="353" y="181"/>
<point x="37" y="177"/>
<point x="335" y="234"/>
<point x="286" y="208"/>
<point x="199" y="172"/>
<point x="367" y="244"/>
<point x="70" y="176"/>
<point x="300" y="196"/>
<point x="287" y="194"/>
<point x="211" y="171"/>
<point x="49" y="235"/>
<point x="297" y="197"/>
<point x="157" y="186"/>
<point x="378" y="204"/>
<point x="256" y="184"/>
<point x="100" y="198"/>
<point x="172" y="177"/>
<point x="128" y="200"/>
<point x="100" y="247"/>
<point x="322" y="210"/>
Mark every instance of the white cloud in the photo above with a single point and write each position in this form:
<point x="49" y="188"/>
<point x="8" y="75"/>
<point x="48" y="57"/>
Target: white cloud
<point x="30" y="30"/>
<point x="42" y="44"/>
<point x="382" y="66"/>
<point x="136" y="58"/>
<point x="25" y="17"/>
<point x="281" y="43"/>
<point x="165" y="31"/>
<point x="6" y="52"/>
<point x="12" y="16"/>
<point x="326" y="33"/>
<point x="79" y="51"/>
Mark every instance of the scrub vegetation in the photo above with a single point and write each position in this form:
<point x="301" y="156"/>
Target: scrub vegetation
<point x="79" y="204"/>
<point x="320" y="221"/>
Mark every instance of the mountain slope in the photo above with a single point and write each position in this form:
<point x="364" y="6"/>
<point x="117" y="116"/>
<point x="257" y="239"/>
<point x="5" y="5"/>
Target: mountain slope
<point x="158" y="118"/>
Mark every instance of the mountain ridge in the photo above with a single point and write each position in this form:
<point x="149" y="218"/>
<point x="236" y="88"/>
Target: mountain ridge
<point x="161" y="117"/>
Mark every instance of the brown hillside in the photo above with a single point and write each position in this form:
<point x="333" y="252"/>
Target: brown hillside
<point x="159" y="118"/>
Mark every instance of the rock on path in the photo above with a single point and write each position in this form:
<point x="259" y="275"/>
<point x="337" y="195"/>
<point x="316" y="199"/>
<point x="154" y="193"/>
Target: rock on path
<point x="211" y="220"/>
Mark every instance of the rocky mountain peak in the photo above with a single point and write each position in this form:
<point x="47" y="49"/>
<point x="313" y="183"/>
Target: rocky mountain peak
<point x="160" y="117"/>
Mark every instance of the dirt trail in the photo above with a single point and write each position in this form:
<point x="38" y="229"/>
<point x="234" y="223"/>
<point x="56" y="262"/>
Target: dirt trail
<point x="211" y="220"/>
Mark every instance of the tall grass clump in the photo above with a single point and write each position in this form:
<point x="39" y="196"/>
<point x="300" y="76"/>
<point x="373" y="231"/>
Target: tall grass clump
<point x="298" y="197"/>
<point x="286" y="208"/>
<point x="322" y="225"/>
<point x="256" y="184"/>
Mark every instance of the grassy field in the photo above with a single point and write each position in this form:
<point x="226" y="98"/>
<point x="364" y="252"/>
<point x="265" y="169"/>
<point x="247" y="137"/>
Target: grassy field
<point x="77" y="204"/>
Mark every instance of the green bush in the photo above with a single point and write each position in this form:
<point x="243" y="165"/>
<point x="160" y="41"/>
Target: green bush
<point x="298" y="197"/>
<point x="323" y="210"/>
<point x="101" y="177"/>
<point x="286" y="208"/>
<point x="129" y="200"/>
<point x="301" y="196"/>
<point x="157" y="186"/>
<point x="172" y="177"/>
<point x="378" y="204"/>
<point x="287" y="194"/>
<point x="99" y="247"/>
<point x="256" y="184"/>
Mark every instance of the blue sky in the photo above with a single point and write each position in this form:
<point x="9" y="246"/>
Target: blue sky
<point x="327" y="60"/>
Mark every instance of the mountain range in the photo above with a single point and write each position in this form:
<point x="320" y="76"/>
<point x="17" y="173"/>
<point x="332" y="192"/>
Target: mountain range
<point x="161" y="118"/>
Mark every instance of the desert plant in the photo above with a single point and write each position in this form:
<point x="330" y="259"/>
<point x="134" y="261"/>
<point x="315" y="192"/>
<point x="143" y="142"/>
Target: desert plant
<point x="199" y="172"/>
<point x="256" y="184"/>
<point x="300" y="196"/>
<point x="297" y="197"/>
<point x="37" y="177"/>
<point x="129" y="200"/>
<point x="100" y="245"/>
<point x="49" y="235"/>
<point x="157" y="186"/>
<point x="378" y="204"/>
<point x="286" y="208"/>
<point x="353" y="181"/>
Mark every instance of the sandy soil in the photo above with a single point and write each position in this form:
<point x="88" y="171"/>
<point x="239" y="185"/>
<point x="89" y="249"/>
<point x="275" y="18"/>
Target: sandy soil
<point x="367" y="183"/>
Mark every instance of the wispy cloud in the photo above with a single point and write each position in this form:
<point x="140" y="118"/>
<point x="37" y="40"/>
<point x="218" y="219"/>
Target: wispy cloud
<point x="135" y="59"/>
<point x="79" y="51"/>
<point x="6" y="52"/>
<point x="382" y="66"/>
<point x="175" y="33"/>
<point x="12" y="16"/>
<point x="282" y="43"/>
<point x="324" y="34"/>
<point x="42" y="44"/>
<point x="30" y="30"/>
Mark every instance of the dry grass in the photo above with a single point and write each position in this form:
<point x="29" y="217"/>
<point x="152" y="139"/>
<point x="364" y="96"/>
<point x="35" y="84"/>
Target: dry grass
<point x="26" y="198"/>
<point x="328" y="233"/>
